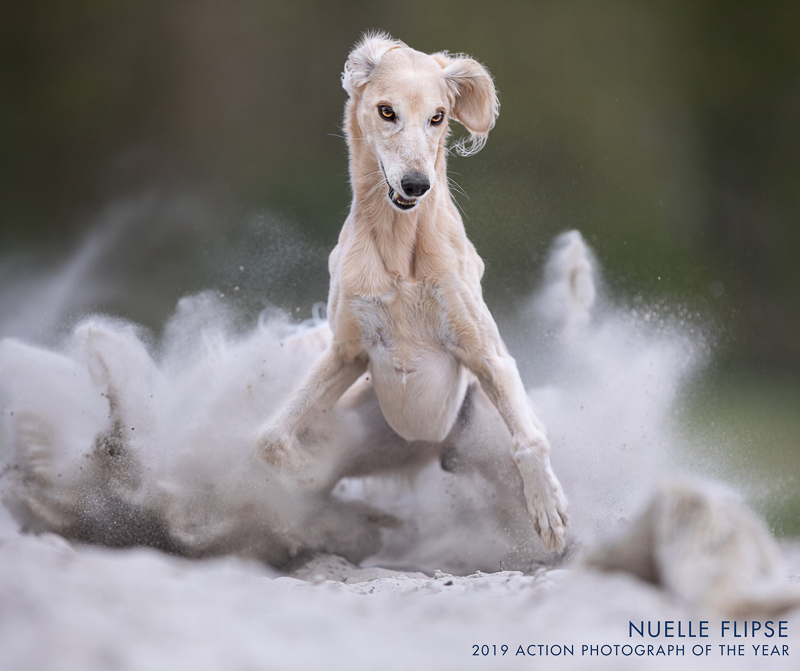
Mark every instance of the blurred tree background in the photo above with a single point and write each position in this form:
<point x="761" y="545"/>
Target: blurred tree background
<point x="666" y="132"/>
<point x="152" y="148"/>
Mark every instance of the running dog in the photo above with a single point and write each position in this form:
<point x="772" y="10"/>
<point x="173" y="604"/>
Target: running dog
<point x="409" y="326"/>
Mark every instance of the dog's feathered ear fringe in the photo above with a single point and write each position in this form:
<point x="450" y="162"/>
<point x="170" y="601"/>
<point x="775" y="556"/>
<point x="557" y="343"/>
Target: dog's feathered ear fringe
<point x="364" y="57"/>
<point x="475" y="103"/>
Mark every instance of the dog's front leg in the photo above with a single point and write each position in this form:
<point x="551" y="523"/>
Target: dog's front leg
<point x="331" y="375"/>
<point x="497" y="372"/>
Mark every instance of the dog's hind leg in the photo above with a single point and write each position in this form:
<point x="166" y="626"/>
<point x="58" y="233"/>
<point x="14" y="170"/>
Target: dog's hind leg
<point x="480" y="442"/>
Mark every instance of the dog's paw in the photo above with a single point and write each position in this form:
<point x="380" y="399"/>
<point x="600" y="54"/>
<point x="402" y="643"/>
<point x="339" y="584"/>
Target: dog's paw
<point x="280" y="451"/>
<point x="545" y="499"/>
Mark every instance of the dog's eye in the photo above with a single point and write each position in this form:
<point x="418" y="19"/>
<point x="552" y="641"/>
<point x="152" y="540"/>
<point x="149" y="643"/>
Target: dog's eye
<point x="437" y="118"/>
<point x="386" y="112"/>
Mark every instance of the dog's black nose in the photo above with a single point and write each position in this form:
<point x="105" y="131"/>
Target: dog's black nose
<point x="415" y="184"/>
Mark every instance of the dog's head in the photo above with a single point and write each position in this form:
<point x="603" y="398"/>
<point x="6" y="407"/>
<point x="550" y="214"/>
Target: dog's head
<point x="404" y="100"/>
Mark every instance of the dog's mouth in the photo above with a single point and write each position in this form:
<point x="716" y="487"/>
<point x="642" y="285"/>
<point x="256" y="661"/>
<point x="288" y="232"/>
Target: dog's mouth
<point x="399" y="201"/>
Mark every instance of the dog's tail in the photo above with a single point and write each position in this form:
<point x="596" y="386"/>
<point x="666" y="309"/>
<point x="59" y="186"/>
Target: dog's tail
<point x="570" y="283"/>
<point x="702" y="544"/>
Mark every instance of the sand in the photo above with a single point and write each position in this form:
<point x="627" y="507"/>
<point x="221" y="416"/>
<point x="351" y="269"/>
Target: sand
<point x="68" y="606"/>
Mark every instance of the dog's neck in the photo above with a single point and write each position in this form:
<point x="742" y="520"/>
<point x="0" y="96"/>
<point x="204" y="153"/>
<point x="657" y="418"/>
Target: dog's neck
<point x="399" y="237"/>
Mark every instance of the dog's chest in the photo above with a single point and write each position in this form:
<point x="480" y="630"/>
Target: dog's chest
<point x="405" y="323"/>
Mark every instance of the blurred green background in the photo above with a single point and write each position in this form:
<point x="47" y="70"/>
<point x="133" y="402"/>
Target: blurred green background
<point x="667" y="132"/>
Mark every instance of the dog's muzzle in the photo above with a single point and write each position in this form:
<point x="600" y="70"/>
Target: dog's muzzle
<point x="414" y="185"/>
<point x="399" y="201"/>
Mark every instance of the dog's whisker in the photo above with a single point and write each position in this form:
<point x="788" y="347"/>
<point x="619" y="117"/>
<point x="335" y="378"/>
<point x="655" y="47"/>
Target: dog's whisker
<point x="368" y="175"/>
<point x="344" y="137"/>
<point x="457" y="186"/>
<point x="371" y="191"/>
<point x="462" y="193"/>
<point x="458" y="205"/>
<point x="453" y="182"/>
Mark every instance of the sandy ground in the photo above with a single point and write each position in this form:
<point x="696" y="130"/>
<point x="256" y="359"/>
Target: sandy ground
<point x="65" y="606"/>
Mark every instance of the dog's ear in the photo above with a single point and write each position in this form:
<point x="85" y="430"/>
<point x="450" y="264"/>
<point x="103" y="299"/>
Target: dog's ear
<point x="475" y="103"/>
<point x="363" y="59"/>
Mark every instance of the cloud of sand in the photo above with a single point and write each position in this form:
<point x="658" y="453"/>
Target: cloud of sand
<point x="118" y="437"/>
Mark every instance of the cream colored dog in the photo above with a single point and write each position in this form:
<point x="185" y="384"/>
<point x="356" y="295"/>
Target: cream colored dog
<point x="405" y="307"/>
